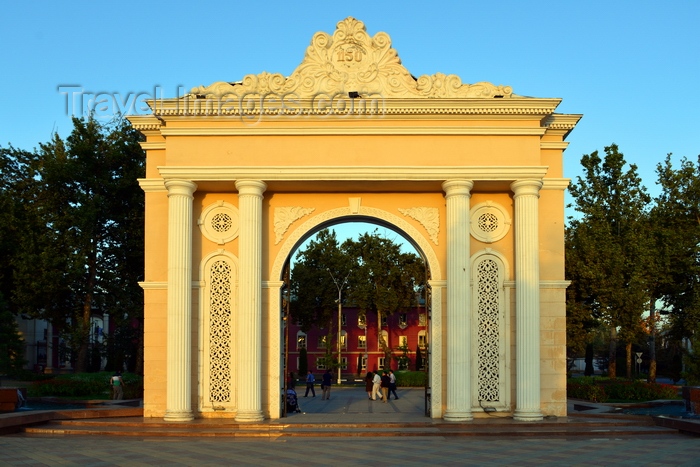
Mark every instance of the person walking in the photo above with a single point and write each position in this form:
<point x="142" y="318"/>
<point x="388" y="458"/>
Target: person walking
<point x="392" y="384"/>
<point x="326" y="385"/>
<point x="376" y="386"/>
<point x="310" y="380"/>
<point x="369" y="384"/>
<point x="117" y="384"/>
<point x="385" y="386"/>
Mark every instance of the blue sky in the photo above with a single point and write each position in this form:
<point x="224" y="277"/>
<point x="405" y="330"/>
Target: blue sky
<point x="632" y="68"/>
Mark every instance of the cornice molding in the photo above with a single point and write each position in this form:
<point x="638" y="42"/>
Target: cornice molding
<point x="154" y="285"/>
<point x="144" y="122"/>
<point x="555" y="184"/>
<point x="152" y="185"/>
<point x="146" y="146"/>
<point x="344" y="173"/>
<point x="554" y="145"/>
<point x="342" y="107"/>
<point x="353" y="130"/>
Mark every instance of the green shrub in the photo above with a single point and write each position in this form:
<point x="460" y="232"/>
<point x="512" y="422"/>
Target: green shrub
<point x="86" y="385"/>
<point x="586" y="389"/>
<point x="408" y="379"/>
<point x="619" y="390"/>
<point x="626" y="390"/>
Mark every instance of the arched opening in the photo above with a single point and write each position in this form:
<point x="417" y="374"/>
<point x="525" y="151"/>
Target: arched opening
<point x="368" y="341"/>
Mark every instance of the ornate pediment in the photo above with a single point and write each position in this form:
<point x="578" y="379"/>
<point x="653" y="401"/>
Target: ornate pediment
<point x="350" y="62"/>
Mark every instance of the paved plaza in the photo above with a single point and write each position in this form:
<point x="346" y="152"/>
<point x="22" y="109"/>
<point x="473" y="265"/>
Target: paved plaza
<point x="350" y="405"/>
<point x="106" y="451"/>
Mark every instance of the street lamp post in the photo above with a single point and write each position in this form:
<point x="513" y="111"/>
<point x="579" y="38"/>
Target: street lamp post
<point x="340" y="311"/>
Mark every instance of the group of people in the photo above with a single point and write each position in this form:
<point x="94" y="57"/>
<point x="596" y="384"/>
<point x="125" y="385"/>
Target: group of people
<point x="377" y="385"/>
<point x="381" y="386"/>
<point x="325" y="385"/>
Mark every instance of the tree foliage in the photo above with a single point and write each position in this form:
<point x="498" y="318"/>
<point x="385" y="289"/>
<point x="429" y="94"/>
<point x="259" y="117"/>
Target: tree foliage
<point x="676" y="222"/>
<point x="373" y="273"/>
<point x="607" y="248"/>
<point x="79" y="249"/>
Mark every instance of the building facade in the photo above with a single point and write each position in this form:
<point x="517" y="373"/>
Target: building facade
<point x="239" y="174"/>
<point x="405" y="333"/>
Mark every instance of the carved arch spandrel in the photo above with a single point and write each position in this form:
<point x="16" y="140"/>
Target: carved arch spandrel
<point x="286" y="216"/>
<point x="429" y="218"/>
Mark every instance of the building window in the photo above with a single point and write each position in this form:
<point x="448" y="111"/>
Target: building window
<point x="403" y="320"/>
<point x="301" y="340"/>
<point x="422" y="339"/>
<point x="384" y="321"/>
<point x="344" y="319"/>
<point x="322" y="342"/>
<point x="344" y="363"/>
<point x="361" y="342"/>
<point x="343" y="339"/>
<point x="363" y="363"/>
<point x="362" y="321"/>
<point x="403" y="341"/>
<point x="380" y="363"/>
<point x="383" y="338"/>
<point x="321" y="363"/>
<point x="422" y="321"/>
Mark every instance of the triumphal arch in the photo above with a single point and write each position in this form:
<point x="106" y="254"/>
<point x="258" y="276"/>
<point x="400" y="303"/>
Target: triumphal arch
<point x="240" y="173"/>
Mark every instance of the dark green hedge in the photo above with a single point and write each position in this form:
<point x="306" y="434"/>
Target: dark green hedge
<point x="411" y="379"/>
<point x="88" y="385"/>
<point x="619" y="390"/>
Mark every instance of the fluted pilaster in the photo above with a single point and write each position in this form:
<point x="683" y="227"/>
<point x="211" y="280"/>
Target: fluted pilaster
<point x="249" y="342"/>
<point x="527" y="300"/>
<point x="179" y="339"/>
<point x="457" y="196"/>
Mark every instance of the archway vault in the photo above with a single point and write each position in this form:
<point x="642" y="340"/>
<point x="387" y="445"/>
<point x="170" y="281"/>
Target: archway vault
<point x="371" y="214"/>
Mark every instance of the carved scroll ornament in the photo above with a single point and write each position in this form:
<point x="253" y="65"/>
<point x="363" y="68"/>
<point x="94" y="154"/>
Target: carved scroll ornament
<point x="285" y="216"/>
<point x="350" y="61"/>
<point x="429" y="218"/>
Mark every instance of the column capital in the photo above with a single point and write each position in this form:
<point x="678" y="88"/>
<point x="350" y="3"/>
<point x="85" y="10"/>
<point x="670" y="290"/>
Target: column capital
<point x="458" y="187"/>
<point x="251" y="187"/>
<point x="526" y="187"/>
<point x="180" y="187"/>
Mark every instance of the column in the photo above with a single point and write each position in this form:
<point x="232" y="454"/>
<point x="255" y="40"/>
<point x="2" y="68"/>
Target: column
<point x="179" y="338"/>
<point x="527" y="300"/>
<point x="249" y="333"/>
<point x="457" y="196"/>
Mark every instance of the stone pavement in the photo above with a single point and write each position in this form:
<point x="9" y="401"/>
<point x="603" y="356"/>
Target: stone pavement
<point x="347" y="406"/>
<point x="669" y="450"/>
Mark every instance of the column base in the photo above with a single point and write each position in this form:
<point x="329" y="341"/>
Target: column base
<point x="458" y="417"/>
<point x="253" y="416"/>
<point x="528" y="416"/>
<point x="178" y="416"/>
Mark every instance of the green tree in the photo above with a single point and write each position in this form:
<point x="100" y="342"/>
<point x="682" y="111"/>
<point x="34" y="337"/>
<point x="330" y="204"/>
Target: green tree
<point x="84" y="254"/>
<point x="380" y="281"/>
<point x="610" y="244"/>
<point x="11" y="342"/>
<point x="676" y="225"/>
<point x="384" y="280"/>
<point x="314" y="294"/>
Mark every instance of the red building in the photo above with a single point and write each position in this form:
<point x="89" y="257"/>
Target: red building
<point x="406" y="334"/>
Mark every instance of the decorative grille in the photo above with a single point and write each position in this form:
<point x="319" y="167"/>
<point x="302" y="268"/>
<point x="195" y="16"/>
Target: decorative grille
<point x="220" y="333"/>
<point x="488" y="334"/>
